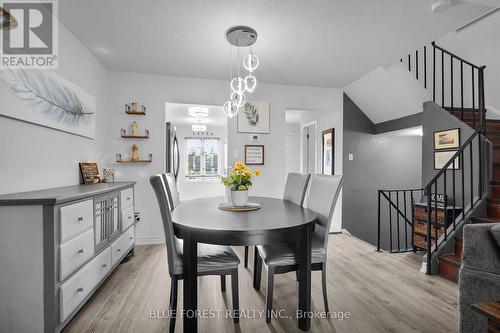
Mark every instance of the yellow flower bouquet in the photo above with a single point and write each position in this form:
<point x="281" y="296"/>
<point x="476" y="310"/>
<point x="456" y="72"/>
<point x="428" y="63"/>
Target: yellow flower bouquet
<point x="240" y="177"/>
<point x="239" y="181"/>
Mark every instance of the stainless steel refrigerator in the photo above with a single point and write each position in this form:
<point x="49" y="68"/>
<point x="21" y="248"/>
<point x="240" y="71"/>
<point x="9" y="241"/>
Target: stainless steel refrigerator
<point x="172" y="162"/>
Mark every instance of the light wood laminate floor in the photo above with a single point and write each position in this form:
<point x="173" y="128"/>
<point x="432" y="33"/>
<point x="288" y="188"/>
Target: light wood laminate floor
<point x="382" y="292"/>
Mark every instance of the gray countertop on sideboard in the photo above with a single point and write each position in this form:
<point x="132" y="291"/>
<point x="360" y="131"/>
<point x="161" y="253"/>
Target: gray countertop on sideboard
<point x="60" y="195"/>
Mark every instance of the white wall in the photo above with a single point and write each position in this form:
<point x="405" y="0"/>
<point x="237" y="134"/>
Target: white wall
<point x="480" y="45"/>
<point x="155" y="90"/>
<point x="200" y="188"/>
<point x="326" y="120"/>
<point x="34" y="157"/>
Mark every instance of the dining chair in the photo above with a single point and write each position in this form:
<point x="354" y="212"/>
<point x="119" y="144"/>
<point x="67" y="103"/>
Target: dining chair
<point x="212" y="259"/>
<point x="295" y="191"/>
<point x="282" y="258"/>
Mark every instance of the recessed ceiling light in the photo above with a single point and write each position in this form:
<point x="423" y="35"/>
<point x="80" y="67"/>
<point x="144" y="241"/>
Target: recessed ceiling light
<point x="199" y="128"/>
<point x="198" y="111"/>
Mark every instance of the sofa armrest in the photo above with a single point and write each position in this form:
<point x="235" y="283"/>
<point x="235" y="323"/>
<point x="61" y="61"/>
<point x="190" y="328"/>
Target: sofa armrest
<point x="480" y="249"/>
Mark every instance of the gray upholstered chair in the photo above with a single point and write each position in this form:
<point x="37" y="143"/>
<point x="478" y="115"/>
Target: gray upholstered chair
<point x="295" y="191"/>
<point x="212" y="259"/>
<point x="282" y="258"/>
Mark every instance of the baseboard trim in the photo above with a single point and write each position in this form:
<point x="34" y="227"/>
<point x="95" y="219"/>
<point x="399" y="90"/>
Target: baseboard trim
<point x="149" y="240"/>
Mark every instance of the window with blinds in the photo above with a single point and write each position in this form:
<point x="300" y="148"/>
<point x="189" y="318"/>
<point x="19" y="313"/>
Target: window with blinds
<point x="203" y="157"/>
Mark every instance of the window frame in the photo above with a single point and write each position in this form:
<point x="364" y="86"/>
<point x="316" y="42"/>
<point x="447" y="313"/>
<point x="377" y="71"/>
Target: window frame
<point x="203" y="174"/>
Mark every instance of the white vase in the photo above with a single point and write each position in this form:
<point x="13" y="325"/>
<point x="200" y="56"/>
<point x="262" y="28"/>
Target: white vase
<point x="239" y="198"/>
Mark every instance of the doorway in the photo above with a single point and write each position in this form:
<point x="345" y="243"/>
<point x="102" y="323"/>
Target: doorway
<point x="308" y="151"/>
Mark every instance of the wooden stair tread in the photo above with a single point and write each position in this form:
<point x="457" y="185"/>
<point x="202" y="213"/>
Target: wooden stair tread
<point x="484" y="220"/>
<point x="450" y="259"/>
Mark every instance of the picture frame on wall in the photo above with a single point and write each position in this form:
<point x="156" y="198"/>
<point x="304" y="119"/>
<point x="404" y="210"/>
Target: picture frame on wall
<point x="328" y="152"/>
<point x="254" y="118"/>
<point x="442" y="157"/>
<point x="447" y="139"/>
<point x="254" y="154"/>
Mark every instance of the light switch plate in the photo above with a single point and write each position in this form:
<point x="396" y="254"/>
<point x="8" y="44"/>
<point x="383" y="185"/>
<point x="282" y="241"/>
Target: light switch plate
<point x="351" y="157"/>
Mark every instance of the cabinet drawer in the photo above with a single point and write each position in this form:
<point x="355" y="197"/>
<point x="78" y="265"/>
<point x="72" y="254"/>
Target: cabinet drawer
<point x="75" y="252"/>
<point x="127" y="198"/>
<point x="127" y="217"/>
<point x="76" y="218"/>
<point x="73" y="291"/>
<point x="122" y="244"/>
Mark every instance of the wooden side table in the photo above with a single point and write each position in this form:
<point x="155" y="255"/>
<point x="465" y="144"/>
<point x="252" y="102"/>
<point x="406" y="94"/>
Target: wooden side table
<point x="490" y="310"/>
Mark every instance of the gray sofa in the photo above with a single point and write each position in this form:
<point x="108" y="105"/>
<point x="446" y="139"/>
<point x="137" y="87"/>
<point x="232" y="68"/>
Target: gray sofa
<point x="479" y="274"/>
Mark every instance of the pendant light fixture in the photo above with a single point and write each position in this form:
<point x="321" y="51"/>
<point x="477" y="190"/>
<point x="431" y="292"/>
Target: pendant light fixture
<point x="241" y="36"/>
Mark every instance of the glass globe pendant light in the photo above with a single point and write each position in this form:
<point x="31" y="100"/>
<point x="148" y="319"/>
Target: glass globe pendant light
<point x="241" y="36"/>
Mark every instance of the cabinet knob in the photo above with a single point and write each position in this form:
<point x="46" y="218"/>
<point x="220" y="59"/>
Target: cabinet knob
<point x="79" y="290"/>
<point x="80" y="251"/>
<point x="128" y="198"/>
<point x="131" y="238"/>
<point x="104" y="265"/>
<point x="81" y="218"/>
<point x="119" y="250"/>
<point x="130" y="217"/>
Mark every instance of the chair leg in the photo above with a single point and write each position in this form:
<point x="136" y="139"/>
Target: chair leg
<point x="323" y="282"/>
<point x="173" y="304"/>
<point x="223" y="283"/>
<point x="269" y="297"/>
<point x="297" y="275"/>
<point x="257" y="269"/>
<point x="236" y="301"/>
<point x="245" y="263"/>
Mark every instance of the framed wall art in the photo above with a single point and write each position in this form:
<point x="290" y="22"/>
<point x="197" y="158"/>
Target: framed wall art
<point x="254" y="118"/>
<point x="327" y="151"/>
<point x="48" y="99"/>
<point x="447" y="139"/>
<point x="254" y="154"/>
<point x="442" y="157"/>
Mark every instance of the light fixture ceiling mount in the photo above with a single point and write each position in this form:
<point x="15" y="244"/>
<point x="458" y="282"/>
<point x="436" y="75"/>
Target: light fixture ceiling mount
<point x="241" y="36"/>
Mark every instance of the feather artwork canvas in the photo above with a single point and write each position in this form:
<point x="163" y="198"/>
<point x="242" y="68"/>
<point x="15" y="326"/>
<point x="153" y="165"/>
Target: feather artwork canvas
<point x="45" y="98"/>
<point x="253" y="117"/>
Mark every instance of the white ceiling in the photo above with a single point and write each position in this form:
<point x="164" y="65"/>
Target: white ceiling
<point x="178" y="115"/>
<point x="301" y="42"/>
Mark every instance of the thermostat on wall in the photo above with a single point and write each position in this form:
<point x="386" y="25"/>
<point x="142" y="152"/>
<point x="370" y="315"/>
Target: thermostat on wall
<point x="254" y="138"/>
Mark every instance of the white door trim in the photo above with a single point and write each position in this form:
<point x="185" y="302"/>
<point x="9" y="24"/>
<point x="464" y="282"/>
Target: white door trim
<point x="302" y="127"/>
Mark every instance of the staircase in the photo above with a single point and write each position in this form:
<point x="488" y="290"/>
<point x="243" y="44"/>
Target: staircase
<point x="449" y="264"/>
<point x="458" y="87"/>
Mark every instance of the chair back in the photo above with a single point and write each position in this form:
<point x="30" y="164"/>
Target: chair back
<point x="323" y="196"/>
<point x="160" y="188"/>
<point x="295" y="188"/>
<point x="172" y="192"/>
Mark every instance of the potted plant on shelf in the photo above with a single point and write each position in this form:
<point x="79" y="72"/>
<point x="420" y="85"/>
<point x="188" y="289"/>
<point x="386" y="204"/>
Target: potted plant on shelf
<point x="239" y="181"/>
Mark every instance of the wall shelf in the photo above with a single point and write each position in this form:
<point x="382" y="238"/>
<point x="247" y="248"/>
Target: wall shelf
<point x="148" y="160"/>
<point x="127" y="136"/>
<point x="137" y="113"/>
<point x="138" y="161"/>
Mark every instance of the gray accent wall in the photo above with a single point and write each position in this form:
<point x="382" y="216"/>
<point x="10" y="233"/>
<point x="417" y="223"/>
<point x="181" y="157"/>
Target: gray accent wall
<point x="381" y="161"/>
<point x="435" y="119"/>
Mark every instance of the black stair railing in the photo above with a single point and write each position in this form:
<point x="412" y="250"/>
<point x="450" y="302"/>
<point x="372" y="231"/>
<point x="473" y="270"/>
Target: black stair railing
<point x="457" y="84"/>
<point x="462" y="180"/>
<point x="396" y="208"/>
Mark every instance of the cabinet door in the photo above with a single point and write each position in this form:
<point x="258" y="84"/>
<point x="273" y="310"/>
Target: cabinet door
<point x="101" y="221"/>
<point x="113" y="215"/>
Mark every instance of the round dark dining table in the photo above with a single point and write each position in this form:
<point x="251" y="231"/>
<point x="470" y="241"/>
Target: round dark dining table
<point x="201" y="221"/>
